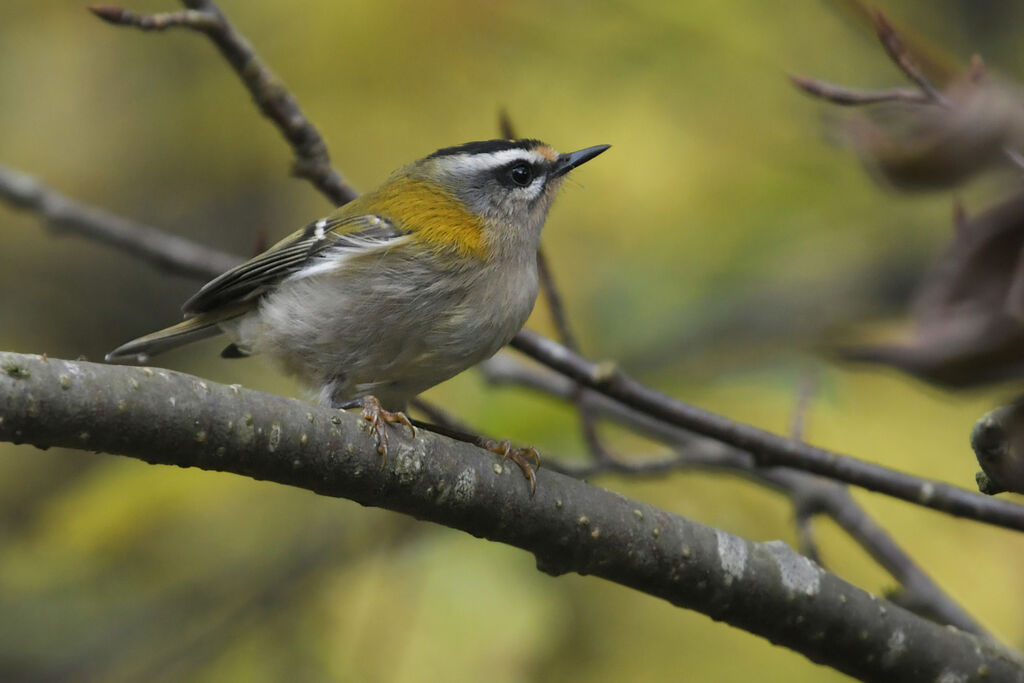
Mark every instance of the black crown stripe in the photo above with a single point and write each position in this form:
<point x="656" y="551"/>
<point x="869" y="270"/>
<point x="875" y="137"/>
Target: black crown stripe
<point x="486" y="147"/>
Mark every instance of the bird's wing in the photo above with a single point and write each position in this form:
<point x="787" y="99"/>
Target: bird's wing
<point x="296" y="255"/>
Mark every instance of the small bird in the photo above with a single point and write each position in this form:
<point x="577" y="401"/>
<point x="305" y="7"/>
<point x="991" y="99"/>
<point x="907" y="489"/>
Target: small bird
<point x="396" y="291"/>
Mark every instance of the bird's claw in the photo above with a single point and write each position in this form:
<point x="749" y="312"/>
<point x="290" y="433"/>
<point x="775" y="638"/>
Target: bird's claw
<point x="378" y="418"/>
<point x="527" y="459"/>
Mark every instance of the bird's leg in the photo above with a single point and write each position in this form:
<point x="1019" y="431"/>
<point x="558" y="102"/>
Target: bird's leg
<point x="378" y="418"/>
<point x="527" y="459"/>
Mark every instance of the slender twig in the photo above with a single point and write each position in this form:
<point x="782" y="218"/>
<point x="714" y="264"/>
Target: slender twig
<point x="805" y="390"/>
<point x="588" y="422"/>
<point x="570" y="526"/>
<point x="807" y="542"/>
<point x="842" y="95"/>
<point x="198" y="20"/>
<point x="804" y="509"/>
<point x="809" y="493"/>
<point x="439" y="417"/>
<point x="925" y="93"/>
<point x="556" y="307"/>
<point x="898" y="53"/>
<point x="505" y="127"/>
<point x="67" y="216"/>
<point x="770" y="450"/>
<point x="312" y="160"/>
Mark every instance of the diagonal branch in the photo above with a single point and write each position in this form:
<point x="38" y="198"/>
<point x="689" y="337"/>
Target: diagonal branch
<point x="570" y="526"/>
<point x="897" y="51"/>
<point x="769" y="450"/>
<point x="312" y="160"/>
<point x="925" y="93"/>
<point x="842" y="95"/>
<point x="63" y="215"/>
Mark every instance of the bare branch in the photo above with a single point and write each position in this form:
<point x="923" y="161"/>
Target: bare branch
<point x="194" y="19"/>
<point x="505" y="127"/>
<point x="807" y="544"/>
<point x="570" y="526"/>
<point x="805" y="390"/>
<point x="67" y="216"/>
<point x="842" y="95"/>
<point x="312" y="161"/>
<point x="555" y="305"/>
<point x="925" y="92"/>
<point x="770" y="450"/>
<point x="897" y="52"/>
<point x="439" y="417"/>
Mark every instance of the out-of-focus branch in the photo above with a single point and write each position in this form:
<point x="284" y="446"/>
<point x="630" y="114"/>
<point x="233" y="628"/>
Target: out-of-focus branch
<point x="898" y="53"/>
<point x="809" y="494"/>
<point x="925" y="93"/>
<point x="312" y="160"/>
<point x="67" y="216"/>
<point x="840" y="94"/>
<point x="770" y="450"/>
<point x="570" y="526"/>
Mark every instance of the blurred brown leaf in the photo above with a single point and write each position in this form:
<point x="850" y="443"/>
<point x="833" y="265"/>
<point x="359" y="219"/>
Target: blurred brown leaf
<point x="968" y="316"/>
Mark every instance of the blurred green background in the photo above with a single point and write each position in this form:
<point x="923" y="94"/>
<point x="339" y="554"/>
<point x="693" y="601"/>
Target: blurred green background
<point x="710" y="251"/>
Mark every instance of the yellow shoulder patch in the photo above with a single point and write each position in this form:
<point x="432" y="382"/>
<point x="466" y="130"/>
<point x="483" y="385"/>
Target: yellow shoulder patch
<point x="440" y="220"/>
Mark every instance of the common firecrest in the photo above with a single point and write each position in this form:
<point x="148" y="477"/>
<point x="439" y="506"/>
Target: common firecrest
<point x="398" y="290"/>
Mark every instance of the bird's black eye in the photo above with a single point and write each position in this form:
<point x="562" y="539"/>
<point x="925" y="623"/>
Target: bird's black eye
<point x="521" y="174"/>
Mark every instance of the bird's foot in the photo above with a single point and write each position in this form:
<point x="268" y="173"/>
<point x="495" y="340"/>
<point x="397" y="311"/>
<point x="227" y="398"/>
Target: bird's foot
<point x="378" y="418"/>
<point x="527" y="459"/>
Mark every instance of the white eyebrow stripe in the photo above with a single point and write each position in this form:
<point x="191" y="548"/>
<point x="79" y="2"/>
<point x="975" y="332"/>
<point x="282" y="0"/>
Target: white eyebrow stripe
<point x="492" y="160"/>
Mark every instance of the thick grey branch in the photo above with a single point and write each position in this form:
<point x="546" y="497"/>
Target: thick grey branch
<point x="570" y="526"/>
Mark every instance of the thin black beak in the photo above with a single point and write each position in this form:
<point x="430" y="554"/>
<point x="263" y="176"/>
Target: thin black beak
<point x="567" y="162"/>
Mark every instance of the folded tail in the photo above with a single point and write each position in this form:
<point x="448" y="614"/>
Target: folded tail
<point x="185" y="332"/>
